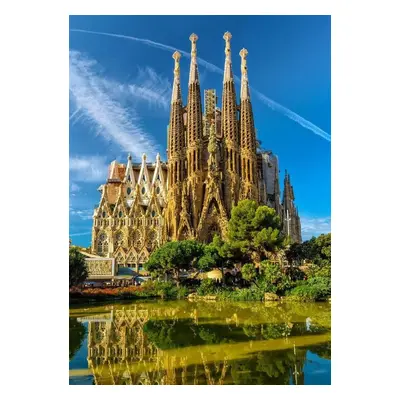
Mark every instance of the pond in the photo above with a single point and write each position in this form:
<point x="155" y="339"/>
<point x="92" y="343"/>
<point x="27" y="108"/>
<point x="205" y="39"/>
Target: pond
<point x="200" y="343"/>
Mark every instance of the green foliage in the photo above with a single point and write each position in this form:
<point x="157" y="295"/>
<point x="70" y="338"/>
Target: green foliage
<point x="273" y="278"/>
<point x="295" y="253"/>
<point x="316" y="250"/>
<point x="295" y="274"/>
<point x="207" y="287"/>
<point x="173" y="257"/>
<point x="314" y="289"/>
<point x="253" y="293"/>
<point x="249" y="272"/>
<point x="254" y="230"/>
<point x="77" y="267"/>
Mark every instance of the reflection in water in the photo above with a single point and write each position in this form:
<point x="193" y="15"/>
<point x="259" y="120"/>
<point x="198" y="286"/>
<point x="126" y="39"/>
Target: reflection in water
<point x="173" y="343"/>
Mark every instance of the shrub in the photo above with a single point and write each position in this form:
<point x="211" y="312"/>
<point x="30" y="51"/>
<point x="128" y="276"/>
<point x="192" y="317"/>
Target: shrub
<point x="207" y="287"/>
<point x="165" y="290"/>
<point x="273" y="279"/>
<point x="315" y="289"/>
<point x="182" y="292"/>
<point x="253" y="293"/>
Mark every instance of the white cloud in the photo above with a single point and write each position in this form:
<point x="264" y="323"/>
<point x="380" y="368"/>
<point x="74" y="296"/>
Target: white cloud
<point x="82" y="214"/>
<point x="88" y="168"/>
<point x="314" y="226"/>
<point x="103" y="102"/>
<point x="80" y="234"/>
<point x="75" y="187"/>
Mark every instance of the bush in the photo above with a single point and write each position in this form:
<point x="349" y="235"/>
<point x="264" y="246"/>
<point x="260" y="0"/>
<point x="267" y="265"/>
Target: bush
<point x="315" y="289"/>
<point x="253" y="293"/>
<point x="207" y="287"/>
<point x="165" y="290"/>
<point x="182" y="292"/>
<point x="273" y="280"/>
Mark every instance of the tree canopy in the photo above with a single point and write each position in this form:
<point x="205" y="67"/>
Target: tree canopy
<point x="255" y="230"/>
<point x="174" y="257"/>
<point x="77" y="267"/>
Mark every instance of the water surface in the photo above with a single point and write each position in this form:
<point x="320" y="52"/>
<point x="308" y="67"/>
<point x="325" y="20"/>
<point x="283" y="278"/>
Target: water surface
<point x="199" y="343"/>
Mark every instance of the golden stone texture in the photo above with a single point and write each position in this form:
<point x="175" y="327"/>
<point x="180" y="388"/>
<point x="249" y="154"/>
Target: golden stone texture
<point x="212" y="164"/>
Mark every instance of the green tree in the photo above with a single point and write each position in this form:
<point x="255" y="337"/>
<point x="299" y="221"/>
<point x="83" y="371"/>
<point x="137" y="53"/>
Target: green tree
<point x="273" y="278"/>
<point x="174" y="257"/>
<point x="77" y="267"/>
<point x="255" y="230"/>
<point x="218" y="254"/>
<point x="295" y="253"/>
<point x="249" y="272"/>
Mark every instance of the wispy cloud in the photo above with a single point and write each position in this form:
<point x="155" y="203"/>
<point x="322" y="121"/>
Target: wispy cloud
<point x="82" y="214"/>
<point x="75" y="187"/>
<point x="314" y="226"/>
<point x="88" y="168"/>
<point x="80" y="234"/>
<point x="151" y="88"/>
<point x="213" y="68"/>
<point x="98" y="101"/>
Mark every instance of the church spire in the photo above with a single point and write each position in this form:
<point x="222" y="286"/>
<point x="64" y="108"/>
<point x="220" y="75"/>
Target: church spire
<point x="244" y="89"/>
<point x="228" y="75"/>
<point x="247" y="136"/>
<point x="176" y="119"/>
<point x="194" y="72"/>
<point x="175" y="128"/>
<point x="194" y="116"/>
<point x="176" y="89"/>
<point x="247" y="131"/>
<point x="229" y="130"/>
<point x="194" y="128"/>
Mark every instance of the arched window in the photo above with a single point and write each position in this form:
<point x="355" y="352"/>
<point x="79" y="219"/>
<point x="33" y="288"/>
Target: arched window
<point x="102" y="244"/>
<point x="119" y="239"/>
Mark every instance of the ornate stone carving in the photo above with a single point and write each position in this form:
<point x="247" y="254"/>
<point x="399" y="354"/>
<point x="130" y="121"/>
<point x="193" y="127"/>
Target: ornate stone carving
<point x="98" y="267"/>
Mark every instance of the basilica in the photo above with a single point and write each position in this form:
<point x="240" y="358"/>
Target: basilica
<point x="213" y="161"/>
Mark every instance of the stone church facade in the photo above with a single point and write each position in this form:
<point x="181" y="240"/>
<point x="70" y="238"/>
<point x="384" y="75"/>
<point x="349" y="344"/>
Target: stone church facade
<point x="212" y="163"/>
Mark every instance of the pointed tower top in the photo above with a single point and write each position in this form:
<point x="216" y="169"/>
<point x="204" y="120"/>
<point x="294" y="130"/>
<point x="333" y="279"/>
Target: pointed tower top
<point x="176" y="89"/>
<point x="193" y="38"/>
<point x="194" y="74"/>
<point x="227" y="36"/>
<point x="244" y="92"/>
<point x="228" y="74"/>
<point x="158" y="157"/>
<point x="129" y="157"/>
<point x="144" y="157"/>
<point x="243" y="53"/>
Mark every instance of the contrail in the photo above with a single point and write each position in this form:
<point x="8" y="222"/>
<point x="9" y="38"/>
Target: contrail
<point x="211" y="67"/>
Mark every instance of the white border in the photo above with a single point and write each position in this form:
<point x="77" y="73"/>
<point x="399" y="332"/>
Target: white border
<point x="365" y="71"/>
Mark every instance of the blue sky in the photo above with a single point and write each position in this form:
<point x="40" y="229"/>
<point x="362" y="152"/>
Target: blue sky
<point x="120" y="90"/>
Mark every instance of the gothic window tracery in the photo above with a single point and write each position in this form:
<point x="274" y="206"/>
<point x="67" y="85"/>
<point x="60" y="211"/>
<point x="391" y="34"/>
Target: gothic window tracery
<point x="102" y="244"/>
<point x="151" y="240"/>
<point x="137" y="239"/>
<point x="119" y="239"/>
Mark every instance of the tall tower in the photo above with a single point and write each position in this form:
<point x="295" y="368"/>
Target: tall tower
<point x="290" y="215"/>
<point x="210" y="100"/>
<point x="194" y="155"/>
<point x="249" y="181"/>
<point x="176" y="155"/>
<point x="230" y="132"/>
